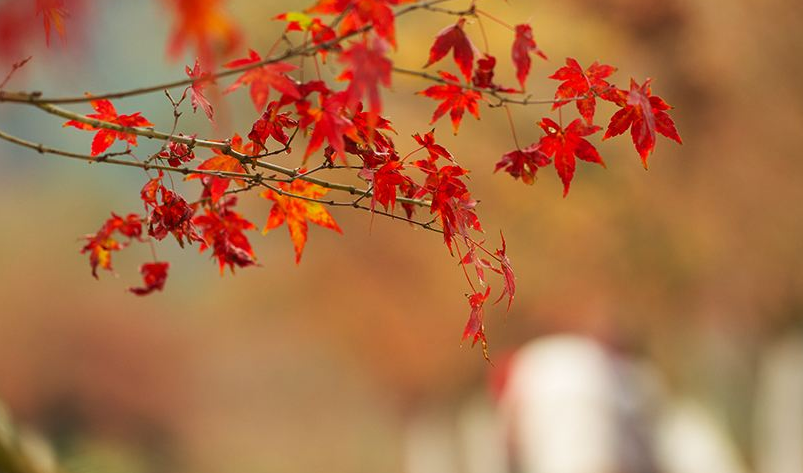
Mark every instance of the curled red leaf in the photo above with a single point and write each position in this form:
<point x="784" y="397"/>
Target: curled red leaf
<point x="506" y="270"/>
<point x="454" y="38"/>
<point x="154" y="276"/>
<point x="101" y="244"/>
<point x="271" y="125"/>
<point x="222" y="229"/>
<point x="523" y="45"/>
<point x="523" y="163"/>
<point x="200" y="79"/>
<point x="475" y="329"/>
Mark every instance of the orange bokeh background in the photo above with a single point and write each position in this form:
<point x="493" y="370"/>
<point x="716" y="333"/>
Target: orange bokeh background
<point x="695" y="265"/>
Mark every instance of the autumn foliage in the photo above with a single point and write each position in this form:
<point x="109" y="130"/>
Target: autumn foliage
<point x="415" y="179"/>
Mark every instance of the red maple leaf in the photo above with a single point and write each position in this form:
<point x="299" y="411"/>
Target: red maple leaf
<point x="130" y="226"/>
<point x="154" y="276"/>
<point x="565" y="145"/>
<point x="454" y="38"/>
<point x="371" y="133"/>
<point x="222" y="229"/>
<point x="523" y="163"/>
<point x="523" y="45"/>
<point x="451" y="199"/>
<point x="215" y="186"/>
<point x="204" y="23"/>
<point x="263" y="78"/>
<point x="320" y="32"/>
<point x="360" y="13"/>
<point x="104" y="137"/>
<point x="455" y="98"/>
<point x="645" y="114"/>
<point x="271" y="124"/>
<point x="480" y="264"/>
<point x="484" y="75"/>
<point x="200" y="79"/>
<point x="294" y="209"/>
<point x="580" y="83"/>
<point x="506" y="270"/>
<point x="150" y="191"/>
<point x="100" y="247"/>
<point x="329" y="122"/>
<point x="367" y="66"/>
<point x="172" y="215"/>
<point x="475" y="329"/>
<point x="385" y="183"/>
<point x="435" y="150"/>
<point x="53" y="14"/>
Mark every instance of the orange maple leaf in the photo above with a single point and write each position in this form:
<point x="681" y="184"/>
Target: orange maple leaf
<point x="216" y="186"/>
<point x="296" y="210"/>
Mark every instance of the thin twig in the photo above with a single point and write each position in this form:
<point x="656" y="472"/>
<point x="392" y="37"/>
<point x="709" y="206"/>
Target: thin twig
<point x="14" y="67"/>
<point x="107" y="158"/>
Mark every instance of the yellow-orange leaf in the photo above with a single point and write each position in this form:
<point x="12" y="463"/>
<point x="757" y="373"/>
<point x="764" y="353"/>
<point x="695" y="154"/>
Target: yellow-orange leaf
<point x="296" y="206"/>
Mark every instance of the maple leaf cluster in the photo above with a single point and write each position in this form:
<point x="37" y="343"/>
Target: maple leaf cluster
<point x="643" y="113"/>
<point x="640" y="111"/>
<point x="346" y="127"/>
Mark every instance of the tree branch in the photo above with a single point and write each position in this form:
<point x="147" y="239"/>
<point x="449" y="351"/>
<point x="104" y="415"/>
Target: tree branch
<point x="222" y="146"/>
<point x="107" y="158"/>
<point x="304" y="49"/>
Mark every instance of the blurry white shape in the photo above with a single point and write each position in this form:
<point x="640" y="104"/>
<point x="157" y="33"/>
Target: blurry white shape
<point x="37" y="452"/>
<point x="429" y="445"/>
<point x="779" y="409"/>
<point x="560" y="407"/>
<point x="690" y="440"/>
<point x="481" y="437"/>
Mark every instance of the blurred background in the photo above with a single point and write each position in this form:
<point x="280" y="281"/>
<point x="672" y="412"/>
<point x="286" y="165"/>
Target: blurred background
<point x="657" y="322"/>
